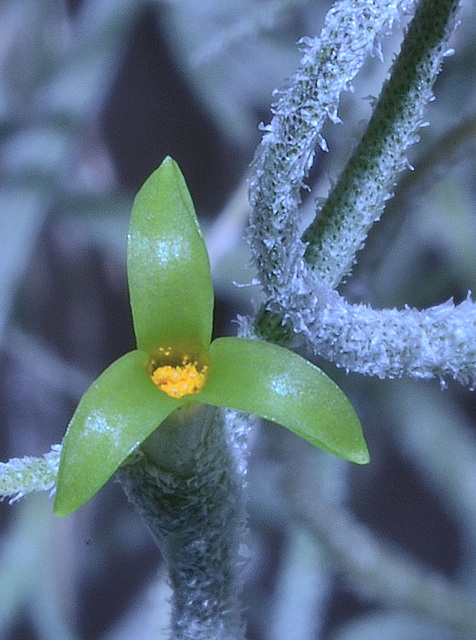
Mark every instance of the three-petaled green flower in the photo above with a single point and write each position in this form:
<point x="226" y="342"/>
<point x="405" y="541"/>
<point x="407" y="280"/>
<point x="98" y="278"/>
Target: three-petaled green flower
<point x="176" y="364"/>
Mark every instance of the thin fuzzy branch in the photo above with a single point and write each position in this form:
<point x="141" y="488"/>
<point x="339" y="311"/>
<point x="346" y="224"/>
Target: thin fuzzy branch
<point x="358" y="199"/>
<point x="20" y="476"/>
<point x="386" y="343"/>
<point x="328" y="66"/>
<point x="458" y="142"/>
<point x="389" y="343"/>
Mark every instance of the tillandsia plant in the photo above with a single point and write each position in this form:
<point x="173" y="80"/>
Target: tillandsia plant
<point x="176" y="367"/>
<point x="156" y="416"/>
<point x="152" y="412"/>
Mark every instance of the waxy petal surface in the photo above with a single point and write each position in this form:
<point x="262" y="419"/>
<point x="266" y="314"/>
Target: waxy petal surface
<point x="118" y="412"/>
<point x="168" y="268"/>
<point x="277" y="384"/>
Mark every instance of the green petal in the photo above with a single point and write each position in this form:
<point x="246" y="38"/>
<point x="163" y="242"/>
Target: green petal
<point x="277" y="384"/>
<point x="168" y="269"/>
<point x="118" y="412"/>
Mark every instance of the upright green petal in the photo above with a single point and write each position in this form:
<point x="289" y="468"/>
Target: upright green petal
<point x="167" y="263"/>
<point x="277" y="384"/>
<point x="118" y="412"/>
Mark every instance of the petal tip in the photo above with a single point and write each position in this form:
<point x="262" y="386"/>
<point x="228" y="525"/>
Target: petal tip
<point x="360" y="457"/>
<point x="167" y="162"/>
<point x="60" y="512"/>
<point x="62" y="507"/>
<point x="168" y="165"/>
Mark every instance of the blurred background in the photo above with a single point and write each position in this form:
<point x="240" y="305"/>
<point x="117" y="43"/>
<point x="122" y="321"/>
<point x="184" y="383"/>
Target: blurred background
<point x="93" y="95"/>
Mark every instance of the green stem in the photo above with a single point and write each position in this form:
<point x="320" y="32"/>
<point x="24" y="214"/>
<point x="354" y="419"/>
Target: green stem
<point x="359" y="197"/>
<point x="328" y="67"/>
<point x="188" y="489"/>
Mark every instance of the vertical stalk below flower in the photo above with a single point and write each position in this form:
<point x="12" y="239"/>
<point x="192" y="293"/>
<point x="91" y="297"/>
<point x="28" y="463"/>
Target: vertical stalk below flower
<point x="189" y="490"/>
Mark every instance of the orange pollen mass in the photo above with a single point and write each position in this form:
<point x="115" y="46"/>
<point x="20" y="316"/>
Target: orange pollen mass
<point x="180" y="380"/>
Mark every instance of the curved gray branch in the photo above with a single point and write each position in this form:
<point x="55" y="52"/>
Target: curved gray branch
<point x="436" y="342"/>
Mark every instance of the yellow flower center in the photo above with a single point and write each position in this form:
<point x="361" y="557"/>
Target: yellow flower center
<point x="180" y="380"/>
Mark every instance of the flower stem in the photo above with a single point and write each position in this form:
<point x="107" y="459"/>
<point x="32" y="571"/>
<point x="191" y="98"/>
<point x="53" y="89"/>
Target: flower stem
<point x="189" y="490"/>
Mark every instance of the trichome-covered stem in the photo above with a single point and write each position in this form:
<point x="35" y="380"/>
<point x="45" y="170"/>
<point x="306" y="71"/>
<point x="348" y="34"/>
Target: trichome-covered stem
<point x="188" y="488"/>
<point x="359" y="197"/>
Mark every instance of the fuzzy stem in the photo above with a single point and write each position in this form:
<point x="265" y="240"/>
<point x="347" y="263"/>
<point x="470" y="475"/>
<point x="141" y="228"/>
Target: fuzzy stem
<point x="390" y="343"/>
<point x="21" y="476"/>
<point x="328" y="66"/>
<point x="188" y="488"/>
<point x="359" y="197"/>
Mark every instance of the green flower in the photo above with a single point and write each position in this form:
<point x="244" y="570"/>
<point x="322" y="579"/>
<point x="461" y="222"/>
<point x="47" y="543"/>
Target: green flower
<point x="176" y="364"/>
